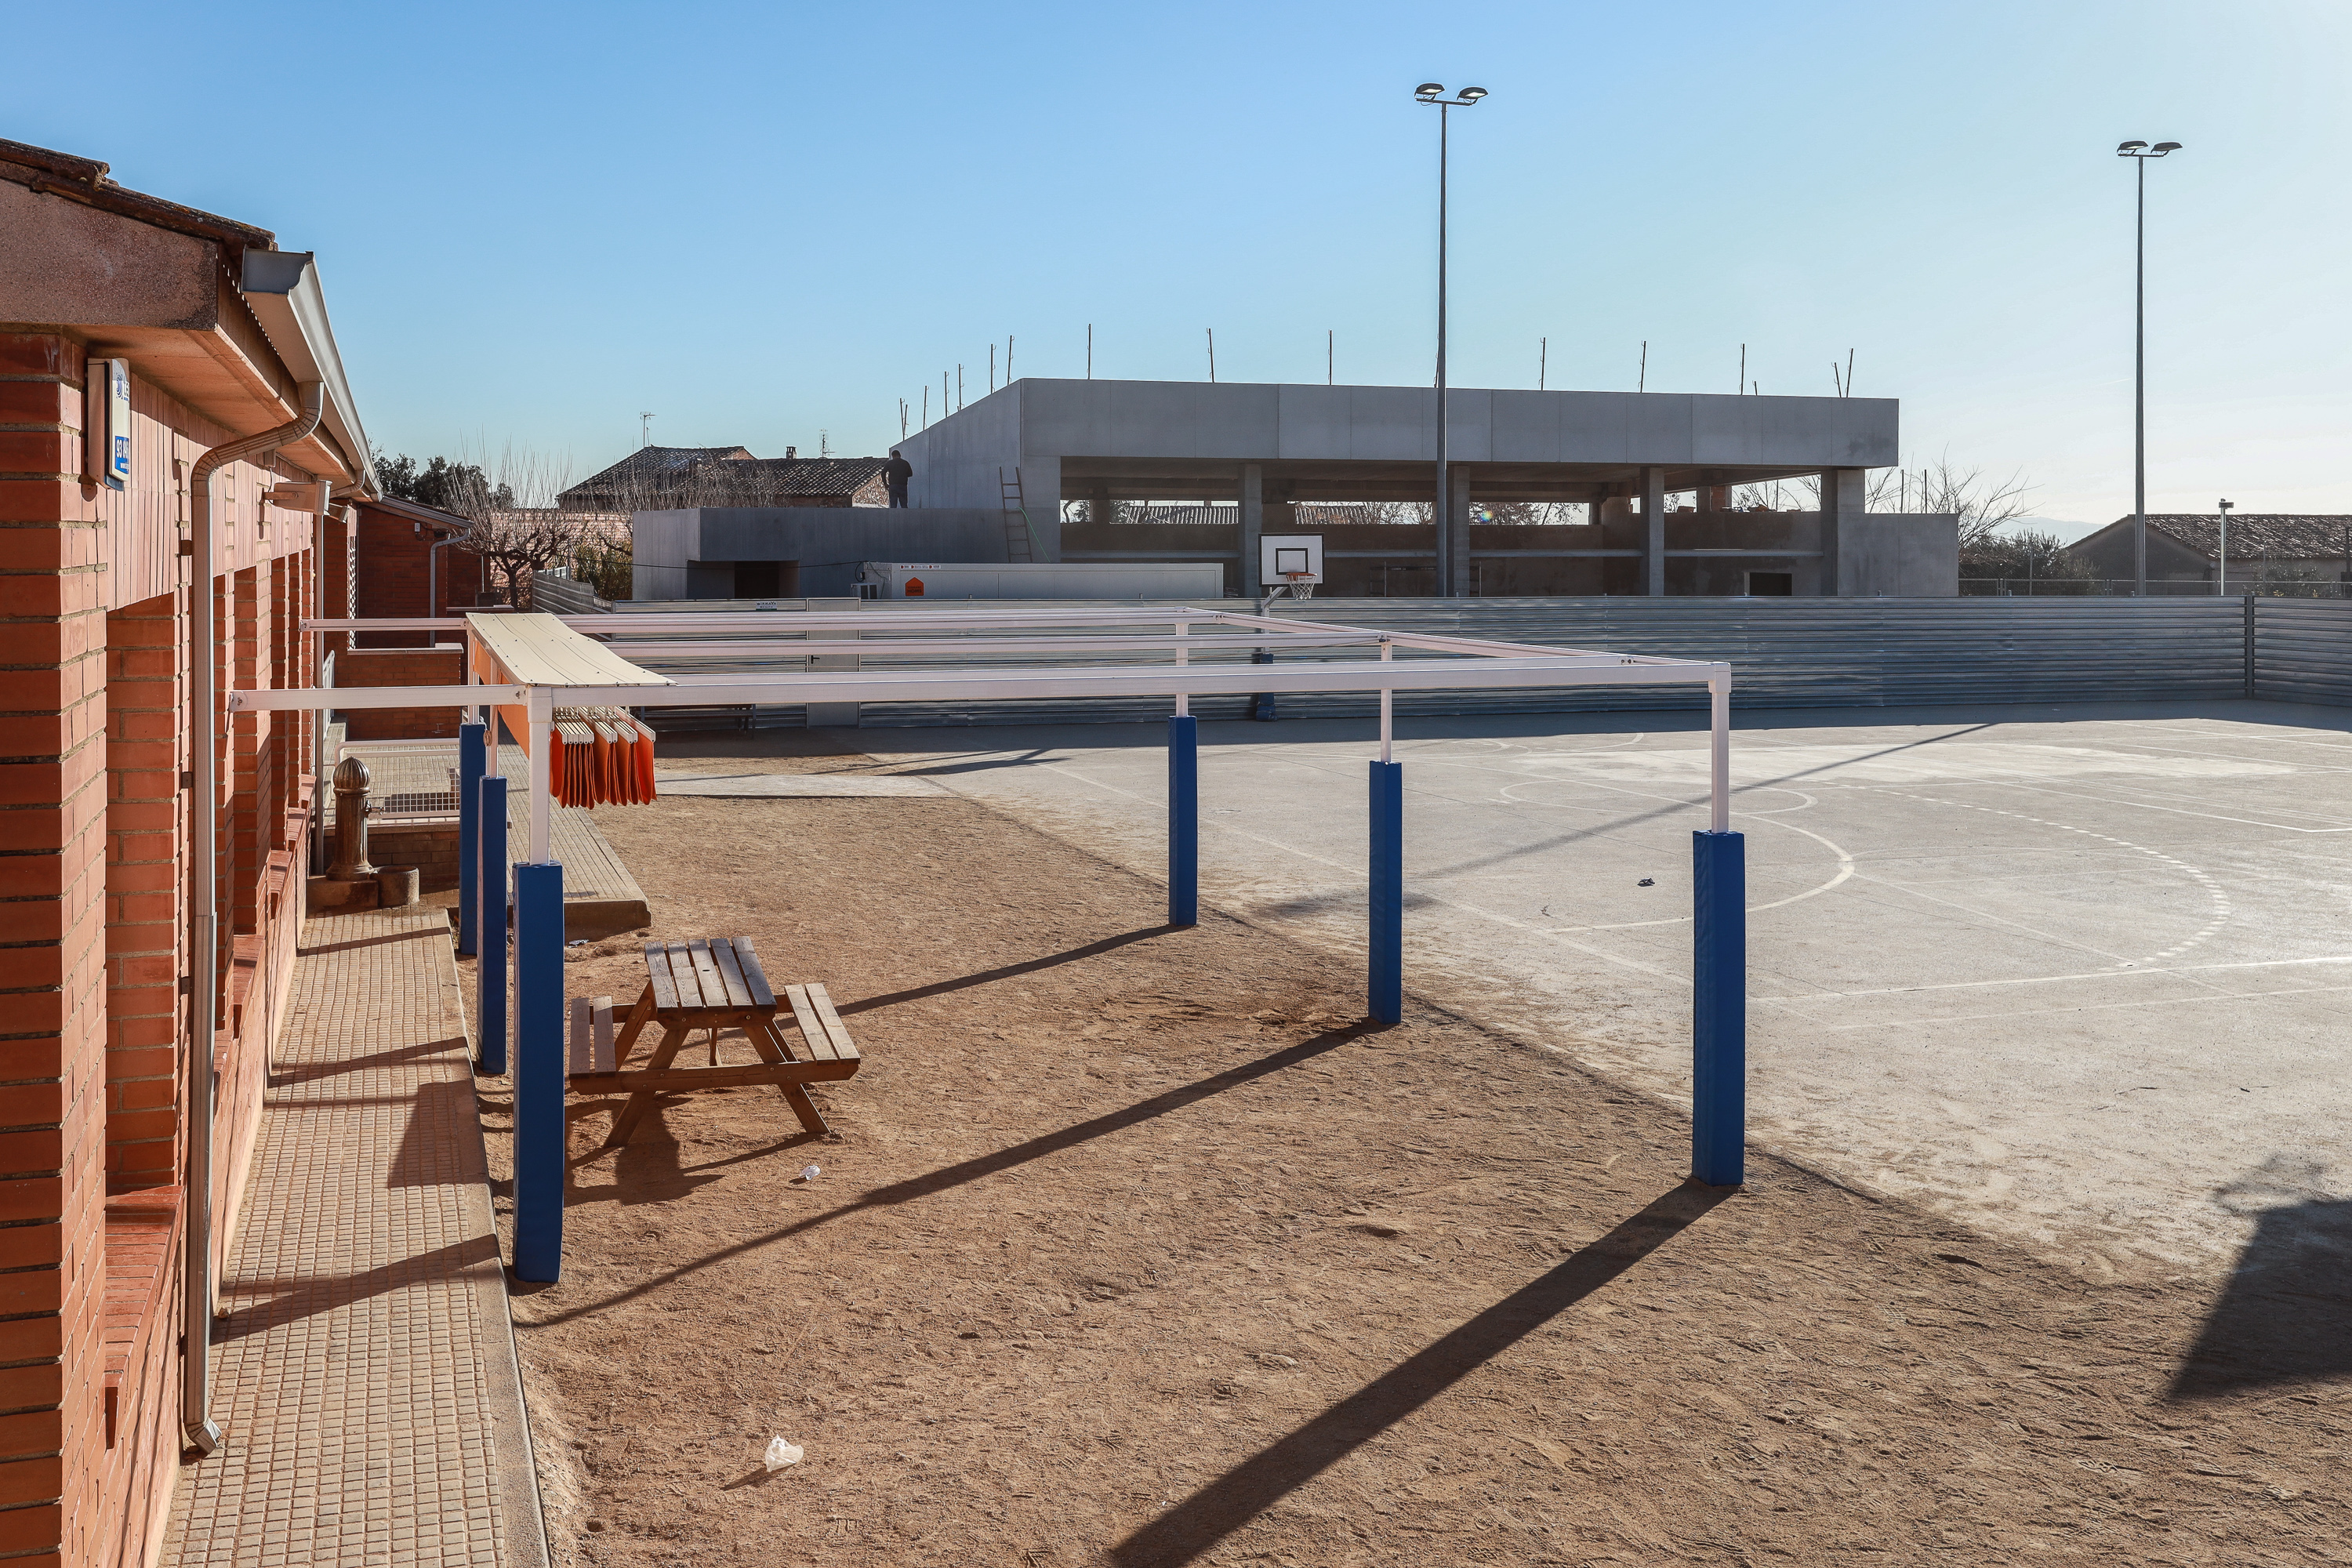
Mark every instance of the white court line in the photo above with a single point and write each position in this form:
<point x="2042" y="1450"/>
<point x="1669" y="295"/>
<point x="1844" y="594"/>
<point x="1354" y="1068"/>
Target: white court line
<point x="1356" y="873"/>
<point x="2239" y="996"/>
<point x="1997" y="920"/>
<point x="2181" y="971"/>
<point x="2177" y="810"/>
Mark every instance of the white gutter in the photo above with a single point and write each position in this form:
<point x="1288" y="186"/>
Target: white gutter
<point x="205" y="1003"/>
<point x="282" y="288"/>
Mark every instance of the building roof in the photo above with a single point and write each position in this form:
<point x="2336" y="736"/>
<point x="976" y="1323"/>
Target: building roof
<point x="86" y="180"/>
<point x="2286" y="535"/>
<point x="805" y="476"/>
<point x="413" y="512"/>
<point x="719" y="476"/>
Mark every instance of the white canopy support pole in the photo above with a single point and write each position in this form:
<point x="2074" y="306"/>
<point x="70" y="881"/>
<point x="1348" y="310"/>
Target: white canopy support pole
<point x="542" y="743"/>
<point x="1183" y="703"/>
<point x="1388" y="707"/>
<point x="1718" y="694"/>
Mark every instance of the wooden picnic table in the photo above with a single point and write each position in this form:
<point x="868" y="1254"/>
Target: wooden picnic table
<point x="714" y="982"/>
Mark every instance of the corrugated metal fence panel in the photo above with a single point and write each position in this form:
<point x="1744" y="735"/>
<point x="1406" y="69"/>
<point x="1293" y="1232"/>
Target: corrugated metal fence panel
<point x="1785" y="653"/>
<point x="2302" y="651"/>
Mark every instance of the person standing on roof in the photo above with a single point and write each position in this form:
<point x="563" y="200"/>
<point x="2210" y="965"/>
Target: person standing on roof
<point x="896" y="473"/>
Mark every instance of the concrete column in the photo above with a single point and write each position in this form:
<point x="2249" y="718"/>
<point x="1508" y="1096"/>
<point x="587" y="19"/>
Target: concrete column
<point x="1653" y="532"/>
<point x="1715" y="498"/>
<point x="1842" y="493"/>
<point x="1099" y="506"/>
<point x="1457" y="543"/>
<point x="1253" y="526"/>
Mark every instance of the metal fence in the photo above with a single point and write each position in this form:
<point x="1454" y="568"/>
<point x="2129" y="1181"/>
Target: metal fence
<point x="1786" y="653"/>
<point x="2258" y="583"/>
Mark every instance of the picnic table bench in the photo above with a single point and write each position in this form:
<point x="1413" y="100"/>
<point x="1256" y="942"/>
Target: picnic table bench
<point x="711" y="984"/>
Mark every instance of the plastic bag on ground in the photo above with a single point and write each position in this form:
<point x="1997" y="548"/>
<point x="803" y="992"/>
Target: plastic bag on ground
<point x="779" y="1454"/>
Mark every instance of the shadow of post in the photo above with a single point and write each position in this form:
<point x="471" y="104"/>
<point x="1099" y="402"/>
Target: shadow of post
<point x="2286" y="1314"/>
<point x="1233" y="1500"/>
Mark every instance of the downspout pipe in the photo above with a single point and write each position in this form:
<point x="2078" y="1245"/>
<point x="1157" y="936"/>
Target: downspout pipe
<point x="202" y="1434"/>
<point x="316" y="654"/>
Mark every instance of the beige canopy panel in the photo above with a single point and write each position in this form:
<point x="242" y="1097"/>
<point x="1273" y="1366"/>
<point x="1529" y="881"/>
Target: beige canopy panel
<point x="507" y="649"/>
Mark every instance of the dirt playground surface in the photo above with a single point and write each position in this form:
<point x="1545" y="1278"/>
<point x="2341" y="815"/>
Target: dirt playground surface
<point x="1134" y="1246"/>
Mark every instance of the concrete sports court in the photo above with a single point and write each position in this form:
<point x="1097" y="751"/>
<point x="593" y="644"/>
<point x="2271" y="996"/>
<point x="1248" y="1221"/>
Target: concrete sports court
<point x="2072" y="973"/>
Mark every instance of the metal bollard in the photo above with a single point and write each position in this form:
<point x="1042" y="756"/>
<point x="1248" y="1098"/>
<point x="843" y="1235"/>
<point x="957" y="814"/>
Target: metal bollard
<point x="472" y="763"/>
<point x="490" y="945"/>
<point x="539" y="1072"/>
<point x="352" y="781"/>
<point x="1384" y="978"/>
<point x="1183" y="821"/>
<point x="1719" y="1019"/>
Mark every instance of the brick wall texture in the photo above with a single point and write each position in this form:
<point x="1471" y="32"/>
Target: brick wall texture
<point x="401" y="667"/>
<point x="394" y="574"/>
<point x="96" y="1020"/>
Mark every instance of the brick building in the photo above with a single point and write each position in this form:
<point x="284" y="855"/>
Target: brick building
<point x="139" y="338"/>
<point x="403" y="561"/>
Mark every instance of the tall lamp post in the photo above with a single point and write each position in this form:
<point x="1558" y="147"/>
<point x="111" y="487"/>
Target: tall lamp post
<point x="2222" y="575"/>
<point x="1433" y="92"/>
<point x="2139" y="152"/>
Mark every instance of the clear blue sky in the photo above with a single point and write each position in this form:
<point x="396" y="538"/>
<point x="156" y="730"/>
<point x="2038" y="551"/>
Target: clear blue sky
<point x="762" y="221"/>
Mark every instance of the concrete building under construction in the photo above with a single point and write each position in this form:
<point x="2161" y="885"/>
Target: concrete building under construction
<point x="1267" y="448"/>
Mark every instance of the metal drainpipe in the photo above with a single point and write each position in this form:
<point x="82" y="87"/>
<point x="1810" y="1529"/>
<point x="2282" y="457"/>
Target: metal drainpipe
<point x="201" y="1433"/>
<point x="315" y="653"/>
<point x="432" y="585"/>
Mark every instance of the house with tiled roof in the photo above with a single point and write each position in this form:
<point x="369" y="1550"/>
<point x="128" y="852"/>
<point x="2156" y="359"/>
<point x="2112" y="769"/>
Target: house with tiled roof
<point x="659" y="479"/>
<point x="2265" y="547"/>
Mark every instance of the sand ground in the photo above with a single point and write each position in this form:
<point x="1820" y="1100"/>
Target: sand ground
<point x="1136" y="1247"/>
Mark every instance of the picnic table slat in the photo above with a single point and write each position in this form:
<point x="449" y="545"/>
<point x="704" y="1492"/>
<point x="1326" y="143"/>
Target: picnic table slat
<point x="707" y="974"/>
<point x="843" y="1045"/>
<point x="762" y="994"/>
<point x="731" y="972"/>
<point x="812" y="1027"/>
<point x="659" y="975"/>
<point x="740" y="1075"/>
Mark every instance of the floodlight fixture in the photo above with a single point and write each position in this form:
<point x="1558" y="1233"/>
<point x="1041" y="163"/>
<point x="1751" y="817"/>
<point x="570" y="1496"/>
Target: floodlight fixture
<point x="2161" y="148"/>
<point x="1428" y="92"/>
<point x="1470" y="94"/>
<point x="2130" y="147"/>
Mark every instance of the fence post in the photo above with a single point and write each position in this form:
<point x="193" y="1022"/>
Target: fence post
<point x="472" y="753"/>
<point x="539" y="1072"/>
<point x="2250" y="644"/>
<point x="1719" y="1019"/>
<point x="1384" y="979"/>
<point x="490" y="950"/>
<point x="1183" y="820"/>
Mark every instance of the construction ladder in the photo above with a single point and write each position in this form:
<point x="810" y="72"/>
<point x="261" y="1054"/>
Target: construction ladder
<point x="1018" y="532"/>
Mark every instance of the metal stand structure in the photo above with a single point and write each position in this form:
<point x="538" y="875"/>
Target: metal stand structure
<point x="490" y="933"/>
<point x="539" y="1073"/>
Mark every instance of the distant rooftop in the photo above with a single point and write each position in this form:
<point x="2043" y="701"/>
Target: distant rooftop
<point x="656" y="478"/>
<point x="2290" y="535"/>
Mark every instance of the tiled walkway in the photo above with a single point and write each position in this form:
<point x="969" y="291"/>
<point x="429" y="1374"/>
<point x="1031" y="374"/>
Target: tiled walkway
<point x="364" y="1372"/>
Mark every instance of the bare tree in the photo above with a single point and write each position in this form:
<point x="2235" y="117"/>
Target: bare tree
<point x="1983" y="504"/>
<point x="517" y="531"/>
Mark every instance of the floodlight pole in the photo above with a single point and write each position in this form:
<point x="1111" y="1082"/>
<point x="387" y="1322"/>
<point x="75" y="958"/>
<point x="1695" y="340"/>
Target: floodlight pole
<point x="1447" y="584"/>
<point x="2139" y="152"/>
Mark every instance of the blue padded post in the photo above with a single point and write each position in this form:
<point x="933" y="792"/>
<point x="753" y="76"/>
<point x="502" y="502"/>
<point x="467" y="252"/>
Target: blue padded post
<point x="539" y="1072"/>
<point x="472" y="763"/>
<point x="490" y="946"/>
<point x="1183" y="820"/>
<point x="1719" y="1022"/>
<point x="1384" y="982"/>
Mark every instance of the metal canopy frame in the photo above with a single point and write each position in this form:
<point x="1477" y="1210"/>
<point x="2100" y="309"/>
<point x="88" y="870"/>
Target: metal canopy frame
<point x="532" y="662"/>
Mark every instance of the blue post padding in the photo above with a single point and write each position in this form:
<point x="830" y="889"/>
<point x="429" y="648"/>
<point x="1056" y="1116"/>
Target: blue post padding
<point x="1183" y="820"/>
<point x="490" y="945"/>
<point x="539" y="1072"/>
<point x="1384" y="982"/>
<point x="1719" y="1023"/>
<point x="472" y="763"/>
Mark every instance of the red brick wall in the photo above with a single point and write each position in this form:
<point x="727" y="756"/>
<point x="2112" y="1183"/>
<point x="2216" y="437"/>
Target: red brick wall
<point x="401" y="667"/>
<point x="94" y="1039"/>
<point x="392" y="572"/>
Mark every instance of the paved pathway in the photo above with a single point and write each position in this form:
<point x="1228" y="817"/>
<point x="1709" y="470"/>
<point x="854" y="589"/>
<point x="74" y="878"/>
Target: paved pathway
<point x="365" y="1369"/>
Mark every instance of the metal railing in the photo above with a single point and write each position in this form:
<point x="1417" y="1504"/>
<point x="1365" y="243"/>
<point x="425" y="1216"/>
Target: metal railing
<point x="2266" y="587"/>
